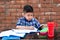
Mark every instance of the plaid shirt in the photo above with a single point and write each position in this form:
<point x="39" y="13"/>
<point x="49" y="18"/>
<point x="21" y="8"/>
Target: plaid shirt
<point x="23" y="22"/>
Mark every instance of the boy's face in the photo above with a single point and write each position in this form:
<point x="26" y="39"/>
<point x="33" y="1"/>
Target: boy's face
<point x="28" y="16"/>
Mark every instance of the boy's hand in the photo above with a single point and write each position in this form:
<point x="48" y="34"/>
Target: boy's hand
<point x="30" y="28"/>
<point x="25" y="27"/>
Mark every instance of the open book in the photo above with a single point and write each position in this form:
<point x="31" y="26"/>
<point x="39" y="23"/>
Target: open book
<point x="16" y="32"/>
<point x="23" y="31"/>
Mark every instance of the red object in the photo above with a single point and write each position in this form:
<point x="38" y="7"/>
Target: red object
<point x="51" y="29"/>
<point x="43" y="33"/>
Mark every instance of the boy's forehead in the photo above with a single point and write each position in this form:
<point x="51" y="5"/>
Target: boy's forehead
<point x="29" y="13"/>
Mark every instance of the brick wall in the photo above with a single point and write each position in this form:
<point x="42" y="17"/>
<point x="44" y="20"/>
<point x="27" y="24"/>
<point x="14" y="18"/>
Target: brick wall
<point x="10" y="11"/>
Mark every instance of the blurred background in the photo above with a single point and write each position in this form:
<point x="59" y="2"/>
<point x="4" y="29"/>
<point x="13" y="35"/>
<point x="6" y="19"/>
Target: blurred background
<point x="10" y="11"/>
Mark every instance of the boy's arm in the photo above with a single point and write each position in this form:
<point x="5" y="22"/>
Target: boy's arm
<point x="25" y="27"/>
<point x="37" y="24"/>
<point x="19" y="26"/>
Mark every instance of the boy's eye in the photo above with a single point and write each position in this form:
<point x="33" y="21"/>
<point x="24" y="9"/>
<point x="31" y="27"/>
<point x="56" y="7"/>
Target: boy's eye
<point x="30" y="15"/>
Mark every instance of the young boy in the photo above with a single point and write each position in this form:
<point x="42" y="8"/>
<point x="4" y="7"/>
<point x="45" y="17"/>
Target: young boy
<point x="28" y="22"/>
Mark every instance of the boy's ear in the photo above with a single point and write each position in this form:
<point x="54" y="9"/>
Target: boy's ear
<point x="22" y="14"/>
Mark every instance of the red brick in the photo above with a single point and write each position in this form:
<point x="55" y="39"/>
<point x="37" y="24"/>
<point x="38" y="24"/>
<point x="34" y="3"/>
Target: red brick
<point x="56" y="9"/>
<point x="56" y="1"/>
<point x="55" y="21"/>
<point x="36" y="13"/>
<point x="2" y="17"/>
<point x="13" y="26"/>
<point x="2" y="6"/>
<point x="2" y="2"/>
<point x="8" y="18"/>
<point x="47" y="17"/>
<point x="8" y="26"/>
<point x="53" y="13"/>
<point x="35" y="5"/>
<point x="3" y="21"/>
<point x="58" y="25"/>
<point x="11" y="18"/>
<point x="19" y="14"/>
<point x="3" y="25"/>
<point x="8" y="3"/>
<point x="33" y="1"/>
<point x="42" y="17"/>
<point x="57" y="13"/>
<point x="45" y="1"/>
<point x="22" y="6"/>
<point x="36" y="16"/>
<point x="7" y="22"/>
<point x="11" y="2"/>
<point x="14" y="6"/>
<point x="45" y="9"/>
<point x="50" y="13"/>
<point x="53" y="17"/>
<point x="1" y="28"/>
<point x="58" y="21"/>
<point x="58" y="17"/>
<point x="36" y="9"/>
<point x="18" y="17"/>
<point x="12" y="10"/>
<point x="46" y="5"/>
<point x="8" y="14"/>
<point x="17" y="0"/>
<point x="31" y="4"/>
<point x="2" y="10"/>
<point x="19" y="10"/>
<point x="13" y="21"/>
<point x="41" y="13"/>
<point x="2" y="14"/>
<point x="21" y="2"/>
<point x="42" y="21"/>
<point x="13" y="14"/>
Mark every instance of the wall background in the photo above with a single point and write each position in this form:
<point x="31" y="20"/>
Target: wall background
<point x="10" y="11"/>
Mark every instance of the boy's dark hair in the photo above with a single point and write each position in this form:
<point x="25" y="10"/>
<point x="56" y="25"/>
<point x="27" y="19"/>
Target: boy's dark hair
<point x="27" y="8"/>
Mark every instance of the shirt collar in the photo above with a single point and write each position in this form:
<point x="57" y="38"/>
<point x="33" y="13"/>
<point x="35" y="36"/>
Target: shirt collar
<point x="27" y="20"/>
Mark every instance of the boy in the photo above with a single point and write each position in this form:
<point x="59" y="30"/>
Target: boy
<point x="27" y="21"/>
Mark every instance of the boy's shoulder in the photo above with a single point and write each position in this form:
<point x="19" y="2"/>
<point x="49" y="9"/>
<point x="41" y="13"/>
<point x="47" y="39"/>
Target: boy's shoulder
<point x="21" y="18"/>
<point x="34" y="19"/>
